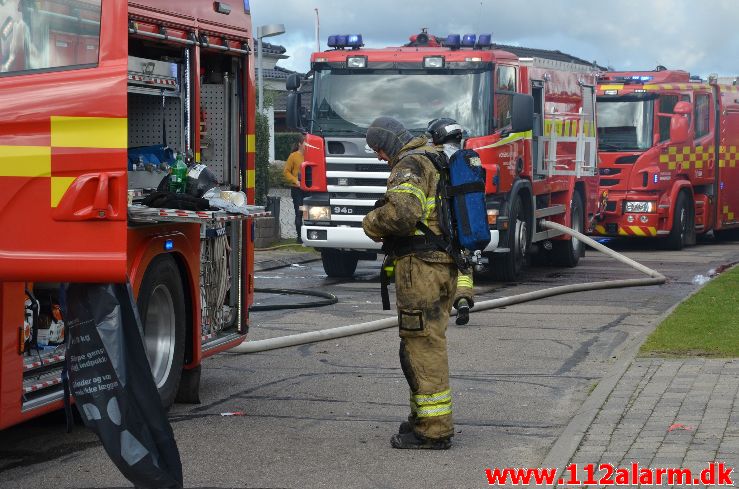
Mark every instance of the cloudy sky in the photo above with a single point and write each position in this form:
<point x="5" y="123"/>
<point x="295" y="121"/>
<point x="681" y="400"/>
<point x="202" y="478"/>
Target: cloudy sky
<point x="701" y="36"/>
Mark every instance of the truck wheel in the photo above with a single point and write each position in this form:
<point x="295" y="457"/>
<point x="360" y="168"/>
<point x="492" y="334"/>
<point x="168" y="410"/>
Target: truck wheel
<point x="508" y="266"/>
<point x="339" y="264"/>
<point x="567" y="253"/>
<point x="680" y="222"/>
<point x="161" y="304"/>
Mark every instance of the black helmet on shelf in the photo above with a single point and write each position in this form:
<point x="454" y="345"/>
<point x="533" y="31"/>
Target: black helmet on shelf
<point x="444" y="129"/>
<point x="200" y="179"/>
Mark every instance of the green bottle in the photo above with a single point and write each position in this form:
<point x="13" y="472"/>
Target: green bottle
<point x="178" y="178"/>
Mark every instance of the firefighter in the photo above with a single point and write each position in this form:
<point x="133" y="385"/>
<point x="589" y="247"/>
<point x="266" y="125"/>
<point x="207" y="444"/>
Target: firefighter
<point x="425" y="281"/>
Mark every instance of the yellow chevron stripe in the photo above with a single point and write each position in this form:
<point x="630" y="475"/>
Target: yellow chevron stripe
<point x="637" y="231"/>
<point x="251" y="178"/>
<point x="251" y="143"/>
<point x="25" y="161"/>
<point x="89" y="132"/>
<point x="59" y="186"/>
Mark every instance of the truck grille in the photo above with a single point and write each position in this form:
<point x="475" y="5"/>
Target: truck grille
<point x="354" y="184"/>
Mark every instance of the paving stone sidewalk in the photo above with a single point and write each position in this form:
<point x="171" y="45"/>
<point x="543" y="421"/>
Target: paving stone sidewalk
<point x="671" y="413"/>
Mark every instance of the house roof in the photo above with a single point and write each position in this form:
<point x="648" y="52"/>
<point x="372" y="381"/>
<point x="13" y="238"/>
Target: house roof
<point x="271" y="49"/>
<point x="556" y="55"/>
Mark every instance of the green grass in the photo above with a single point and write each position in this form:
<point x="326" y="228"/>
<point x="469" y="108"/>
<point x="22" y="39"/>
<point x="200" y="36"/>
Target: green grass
<point x="287" y="244"/>
<point x="707" y="324"/>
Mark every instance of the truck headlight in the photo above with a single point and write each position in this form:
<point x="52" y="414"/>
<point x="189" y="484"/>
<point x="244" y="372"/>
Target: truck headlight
<point x="639" y="207"/>
<point x="317" y="213"/>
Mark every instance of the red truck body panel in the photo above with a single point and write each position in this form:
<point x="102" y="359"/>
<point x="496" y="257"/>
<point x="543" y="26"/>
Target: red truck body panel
<point x="63" y="162"/>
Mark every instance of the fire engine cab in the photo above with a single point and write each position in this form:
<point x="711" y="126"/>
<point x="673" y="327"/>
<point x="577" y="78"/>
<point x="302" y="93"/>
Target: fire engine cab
<point x="93" y="94"/>
<point x="668" y="145"/>
<point x="530" y="114"/>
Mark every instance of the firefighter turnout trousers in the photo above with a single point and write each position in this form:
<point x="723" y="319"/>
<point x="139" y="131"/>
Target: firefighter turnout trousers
<point x="465" y="289"/>
<point x="424" y="293"/>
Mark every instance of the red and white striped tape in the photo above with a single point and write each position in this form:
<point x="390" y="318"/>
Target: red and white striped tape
<point x="42" y="385"/>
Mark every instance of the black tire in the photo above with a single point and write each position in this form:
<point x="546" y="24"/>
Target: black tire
<point x="161" y="304"/>
<point x="338" y="264"/>
<point x="507" y="267"/>
<point x="681" y="220"/>
<point x="567" y="253"/>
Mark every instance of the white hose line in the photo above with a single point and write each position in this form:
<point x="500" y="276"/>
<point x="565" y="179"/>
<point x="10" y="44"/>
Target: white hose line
<point x="655" y="278"/>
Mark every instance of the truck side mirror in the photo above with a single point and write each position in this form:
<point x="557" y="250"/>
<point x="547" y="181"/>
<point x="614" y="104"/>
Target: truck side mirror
<point x="679" y="126"/>
<point x="522" y="119"/>
<point x="293" y="82"/>
<point x="683" y="108"/>
<point x="293" y="111"/>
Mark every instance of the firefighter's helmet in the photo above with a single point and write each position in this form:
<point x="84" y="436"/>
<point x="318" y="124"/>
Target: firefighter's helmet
<point x="444" y="129"/>
<point x="200" y="179"/>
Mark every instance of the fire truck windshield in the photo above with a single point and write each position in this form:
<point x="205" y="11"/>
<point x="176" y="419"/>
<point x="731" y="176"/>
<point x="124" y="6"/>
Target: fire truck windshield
<point x="347" y="101"/>
<point x="625" y="124"/>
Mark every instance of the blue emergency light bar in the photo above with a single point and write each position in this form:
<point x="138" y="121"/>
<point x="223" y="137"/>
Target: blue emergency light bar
<point x="485" y="40"/>
<point x="468" y="40"/>
<point x="341" y="41"/>
<point x="452" y="41"/>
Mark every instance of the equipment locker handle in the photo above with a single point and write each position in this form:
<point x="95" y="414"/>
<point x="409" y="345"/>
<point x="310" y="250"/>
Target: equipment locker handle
<point x="94" y="196"/>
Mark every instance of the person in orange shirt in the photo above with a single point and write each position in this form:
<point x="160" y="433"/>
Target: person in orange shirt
<point x="291" y="173"/>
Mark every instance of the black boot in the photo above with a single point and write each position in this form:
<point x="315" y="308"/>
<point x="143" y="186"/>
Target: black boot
<point x="463" y="312"/>
<point x="414" y="442"/>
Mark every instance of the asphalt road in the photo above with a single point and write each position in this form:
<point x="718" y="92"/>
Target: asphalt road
<point x="321" y="415"/>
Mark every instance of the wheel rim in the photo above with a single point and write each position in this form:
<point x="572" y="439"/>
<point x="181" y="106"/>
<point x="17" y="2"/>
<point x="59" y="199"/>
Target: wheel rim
<point x="159" y="333"/>
<point x="521" y="241"/>
<point x="576" y="225"/>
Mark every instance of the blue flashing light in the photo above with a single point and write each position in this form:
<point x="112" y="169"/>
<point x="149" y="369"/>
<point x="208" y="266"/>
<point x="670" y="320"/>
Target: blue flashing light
<point x="452" y="41"/>
<point x="354" y="41"/>
<point x="332" y="41"/>
<point x="485" y="40"/>
<point x="656" y="178"/>
<point x="168" y="245"/>
<point x="341" y="41"/>
<point x="468" y="40"/>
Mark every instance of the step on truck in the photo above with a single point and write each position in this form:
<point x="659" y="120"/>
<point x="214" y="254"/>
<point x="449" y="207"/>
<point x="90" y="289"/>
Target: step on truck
<point x="81" y="83"/>
<point x="530" y="114"/>
<point x="669" y="157"/>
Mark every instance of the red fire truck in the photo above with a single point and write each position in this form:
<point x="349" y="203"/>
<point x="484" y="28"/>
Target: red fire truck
<point x="82" y="82"/>
<point x="530" y="117"/>
<point x="668" y="150"/>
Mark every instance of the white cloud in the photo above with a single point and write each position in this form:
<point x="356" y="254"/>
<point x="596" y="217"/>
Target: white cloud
<point x="700" y="37"/>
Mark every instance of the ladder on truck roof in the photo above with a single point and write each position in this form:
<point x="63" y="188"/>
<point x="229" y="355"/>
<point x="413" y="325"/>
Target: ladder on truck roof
<point x="558" y="129"/>
<point x="555" y="64"/>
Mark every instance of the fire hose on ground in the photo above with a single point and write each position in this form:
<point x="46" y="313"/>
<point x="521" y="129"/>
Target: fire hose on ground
<point x="654" y="278"/>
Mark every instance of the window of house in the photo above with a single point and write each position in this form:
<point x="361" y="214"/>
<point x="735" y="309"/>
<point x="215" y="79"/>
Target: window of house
<point x="505" y="87"/>
<point x="48" y="34"/>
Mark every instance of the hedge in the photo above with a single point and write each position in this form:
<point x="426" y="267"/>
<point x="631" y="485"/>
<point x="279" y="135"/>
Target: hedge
<point x="261" y="177"/>
<point x="284" y="144"/>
